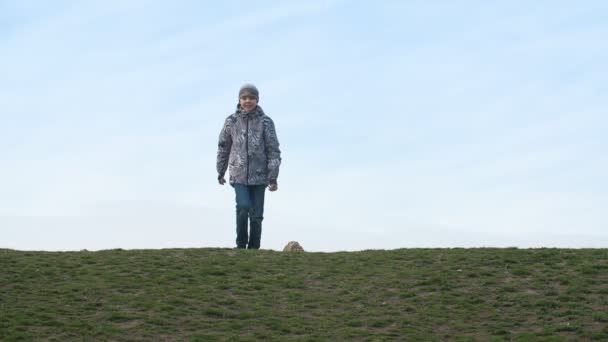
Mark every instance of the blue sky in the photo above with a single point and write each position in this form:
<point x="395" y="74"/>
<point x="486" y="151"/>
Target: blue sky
<point x="402" y="123"/>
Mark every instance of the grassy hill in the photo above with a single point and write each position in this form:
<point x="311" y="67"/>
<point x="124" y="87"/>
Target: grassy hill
<point x="225" y="294"/>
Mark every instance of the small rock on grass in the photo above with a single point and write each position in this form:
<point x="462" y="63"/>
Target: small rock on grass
<point x="293" y="246"/>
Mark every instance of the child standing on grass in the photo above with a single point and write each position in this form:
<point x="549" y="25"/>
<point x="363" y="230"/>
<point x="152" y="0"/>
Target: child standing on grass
<point x="248" y="146"/>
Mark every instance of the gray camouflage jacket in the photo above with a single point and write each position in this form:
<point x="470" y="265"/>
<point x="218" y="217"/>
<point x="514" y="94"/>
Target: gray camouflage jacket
<point x="248" y="145"/>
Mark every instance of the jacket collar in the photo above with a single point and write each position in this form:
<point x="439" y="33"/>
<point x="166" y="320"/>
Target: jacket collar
<point x="257" y="111"/>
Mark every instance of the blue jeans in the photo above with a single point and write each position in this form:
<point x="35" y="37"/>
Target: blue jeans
<point x="249" y="206"/>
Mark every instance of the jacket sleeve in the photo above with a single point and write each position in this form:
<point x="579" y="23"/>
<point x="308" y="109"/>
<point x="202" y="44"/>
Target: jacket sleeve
<point x="273" y="153"/>
<point x="223" y="147"/>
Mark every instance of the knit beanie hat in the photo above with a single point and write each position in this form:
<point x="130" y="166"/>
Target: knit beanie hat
<point x="249" y="88"/>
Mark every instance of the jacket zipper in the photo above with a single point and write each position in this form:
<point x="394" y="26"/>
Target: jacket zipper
<point x="247" y="149"/>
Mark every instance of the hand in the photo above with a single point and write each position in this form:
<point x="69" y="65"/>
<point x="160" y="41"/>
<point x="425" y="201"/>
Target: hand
<point x="273" y="187"/>
<point x="221" y="180"/>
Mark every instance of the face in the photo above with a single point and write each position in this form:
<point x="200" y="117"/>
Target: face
<point x="248" y="102"/>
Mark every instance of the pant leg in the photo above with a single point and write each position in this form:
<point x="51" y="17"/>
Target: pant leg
<point x="243" y="205"/>
<point x="256" y="215"/>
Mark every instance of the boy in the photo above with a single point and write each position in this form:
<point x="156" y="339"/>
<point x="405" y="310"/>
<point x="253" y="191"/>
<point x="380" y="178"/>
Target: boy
<point x="249" y="147"/>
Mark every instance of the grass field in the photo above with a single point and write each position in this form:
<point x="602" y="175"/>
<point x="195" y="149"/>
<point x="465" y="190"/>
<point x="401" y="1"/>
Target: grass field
<point x="224" y="294"/>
